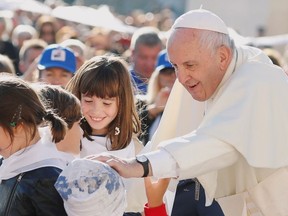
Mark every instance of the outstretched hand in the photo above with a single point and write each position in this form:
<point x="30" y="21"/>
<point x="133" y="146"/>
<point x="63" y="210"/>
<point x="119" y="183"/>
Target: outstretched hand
<point x="127" y="168"/>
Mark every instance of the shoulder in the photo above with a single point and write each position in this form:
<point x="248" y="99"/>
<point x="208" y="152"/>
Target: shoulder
<point x="44" y="174"/>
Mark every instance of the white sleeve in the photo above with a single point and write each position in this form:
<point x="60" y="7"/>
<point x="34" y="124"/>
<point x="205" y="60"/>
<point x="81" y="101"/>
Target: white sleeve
<point x="193" y="155"/>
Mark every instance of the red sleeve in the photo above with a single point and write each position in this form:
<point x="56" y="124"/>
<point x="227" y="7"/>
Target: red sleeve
<point x="155" y="211"/>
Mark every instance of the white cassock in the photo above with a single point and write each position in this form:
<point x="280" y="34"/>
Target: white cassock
<point x="238" y="150"/>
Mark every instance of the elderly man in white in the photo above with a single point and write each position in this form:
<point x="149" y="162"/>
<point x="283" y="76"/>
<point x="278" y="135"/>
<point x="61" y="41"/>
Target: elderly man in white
<point x="238" y="115"/>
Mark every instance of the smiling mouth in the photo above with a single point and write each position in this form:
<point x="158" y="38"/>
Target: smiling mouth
<point x="192" y="86"/>
<point x="97" y="119"/>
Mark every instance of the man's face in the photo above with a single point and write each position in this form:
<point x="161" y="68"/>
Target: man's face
<point x="55" y="76"/>
<point x="144" y="59"/>
<point x="198" y="69"/>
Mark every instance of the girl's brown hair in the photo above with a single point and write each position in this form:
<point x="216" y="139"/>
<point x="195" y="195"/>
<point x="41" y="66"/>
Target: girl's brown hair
<point x="20" y="104"/>
<point x="108" y="76"/>
<point x="62" y="102"/>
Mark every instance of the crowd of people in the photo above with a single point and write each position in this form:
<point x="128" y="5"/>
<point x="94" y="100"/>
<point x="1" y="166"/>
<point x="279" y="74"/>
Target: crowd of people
<point x="188" y="123"/>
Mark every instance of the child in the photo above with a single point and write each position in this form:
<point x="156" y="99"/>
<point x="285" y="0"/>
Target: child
<point x="57" y="65"/>
<point x="67" y="106"/>
<point x="30" y="163"/>
<point x="110" y="122"/>
<point x="92" y="188"/>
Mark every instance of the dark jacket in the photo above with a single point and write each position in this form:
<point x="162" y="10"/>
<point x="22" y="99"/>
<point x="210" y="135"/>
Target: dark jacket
<point x="31" y="193"/>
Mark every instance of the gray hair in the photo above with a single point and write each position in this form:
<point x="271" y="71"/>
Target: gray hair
<point x="213" y="40"/>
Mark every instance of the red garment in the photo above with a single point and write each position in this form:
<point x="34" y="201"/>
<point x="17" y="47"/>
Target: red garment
<point x="155" y="211"/>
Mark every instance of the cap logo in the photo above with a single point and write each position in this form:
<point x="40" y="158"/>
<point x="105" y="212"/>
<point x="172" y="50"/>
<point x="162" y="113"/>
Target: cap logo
<point x="58" y="55"/>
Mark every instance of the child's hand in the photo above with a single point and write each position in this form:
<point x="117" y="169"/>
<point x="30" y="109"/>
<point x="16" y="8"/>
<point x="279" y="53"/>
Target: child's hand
<point x="155" y="191"/>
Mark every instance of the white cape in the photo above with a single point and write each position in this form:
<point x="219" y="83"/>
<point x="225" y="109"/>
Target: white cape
<point x="248" y="111"/>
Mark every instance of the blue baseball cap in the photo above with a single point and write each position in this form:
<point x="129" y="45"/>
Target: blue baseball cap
<point x="55" y="55"/>
<point x="162" y="61"/>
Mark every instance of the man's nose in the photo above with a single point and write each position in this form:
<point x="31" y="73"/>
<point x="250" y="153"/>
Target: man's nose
<point x="182" y="75"/>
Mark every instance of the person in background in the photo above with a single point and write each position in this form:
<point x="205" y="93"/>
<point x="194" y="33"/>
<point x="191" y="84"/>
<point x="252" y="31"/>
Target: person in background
<point x="46" y="27"/>
<point x="110" y="123"/>
<point x="145" y="47"/>
<point x="65" y="33"/>
<point x="6" y="46"/>
<point x="79" y="48"/>
<point x="6" y="65"/>
<point x="29" y="57"/>
<point x="57" y="65"/>
<point x="159" y="87"/>
<point x="227" y="85"/>
<point x="30" y="164"/>
<point x="275" y="56"/>
<point x="22" y="33"/>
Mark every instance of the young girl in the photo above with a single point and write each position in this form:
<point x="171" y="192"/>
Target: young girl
<point x="67" y="106"/>
<point x="110" y="122"/>
<point x="30" y="163"/>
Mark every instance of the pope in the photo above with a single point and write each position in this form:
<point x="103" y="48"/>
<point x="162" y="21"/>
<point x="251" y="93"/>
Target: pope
<point x="232" y="133"/>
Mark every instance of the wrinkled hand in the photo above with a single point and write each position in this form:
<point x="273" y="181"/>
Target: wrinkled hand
<point x="127" y="168"/>
<point x="155" y="191"/>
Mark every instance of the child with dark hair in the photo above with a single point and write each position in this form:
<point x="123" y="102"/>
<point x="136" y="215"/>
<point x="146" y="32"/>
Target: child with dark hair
<point x="67" y="106"/>
<point x="31" y="162"/>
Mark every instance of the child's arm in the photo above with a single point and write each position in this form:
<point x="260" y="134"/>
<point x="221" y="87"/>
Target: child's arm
<point x="155" y="192"/>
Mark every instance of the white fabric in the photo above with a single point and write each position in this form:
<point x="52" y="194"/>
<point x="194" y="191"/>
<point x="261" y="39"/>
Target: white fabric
<point x="91" y="188"/>
<point x="41" y="154"/>
<point x="248" y="112"/>
<point x="102" y="144"/>
<point x="135" y="189"/>
<point x="154" y="126"/>
<point x="201" y="19"/>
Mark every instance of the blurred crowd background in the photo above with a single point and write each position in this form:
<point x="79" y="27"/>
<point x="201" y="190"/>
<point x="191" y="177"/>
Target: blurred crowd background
<point x="108" y="25"/>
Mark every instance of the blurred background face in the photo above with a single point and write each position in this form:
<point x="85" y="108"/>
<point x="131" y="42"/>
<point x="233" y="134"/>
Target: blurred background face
<point x="55" y="76"/>
<point x="144" y="59"/>
<point x="31" y="55"/>
<point x="48" y="33"/>
<point x="167" y="78"/>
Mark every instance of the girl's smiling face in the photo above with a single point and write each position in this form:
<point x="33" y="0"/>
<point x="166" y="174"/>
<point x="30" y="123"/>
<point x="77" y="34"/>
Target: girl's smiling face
<point x="99" y="112"/>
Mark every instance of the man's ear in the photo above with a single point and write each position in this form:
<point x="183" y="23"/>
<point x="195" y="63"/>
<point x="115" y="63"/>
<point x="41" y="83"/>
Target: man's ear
<point x="224" y="55"/>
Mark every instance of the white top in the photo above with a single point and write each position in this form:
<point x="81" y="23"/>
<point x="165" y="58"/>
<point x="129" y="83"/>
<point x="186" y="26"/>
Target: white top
<point x="101" y="144"/>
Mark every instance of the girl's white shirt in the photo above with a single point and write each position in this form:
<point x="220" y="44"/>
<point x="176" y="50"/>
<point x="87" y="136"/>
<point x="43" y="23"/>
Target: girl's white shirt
<point x="41" y="154"/>
<point x="101" y="144"/>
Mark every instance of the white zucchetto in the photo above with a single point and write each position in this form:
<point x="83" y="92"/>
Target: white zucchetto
<point x="201" y="19"/>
